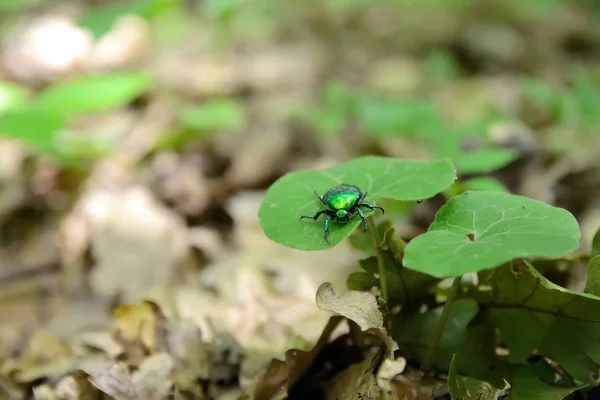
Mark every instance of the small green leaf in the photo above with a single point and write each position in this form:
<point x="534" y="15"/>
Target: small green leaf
<point x="405" y="287"/>
<point x="481" y="230"/>
<point x="484" y="160"/>
<point x="485" y="183"/>
<point x="213" y="115"/>
<point x="362" y="281"/>
<point x="292" y="195"/>
<point x="93" y="93"/>
<point x="592" y="282"/>
<point x="37" y="127"/>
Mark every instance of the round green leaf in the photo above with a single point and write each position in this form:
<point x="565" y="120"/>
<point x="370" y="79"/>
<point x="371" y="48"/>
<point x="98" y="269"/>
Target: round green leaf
<point x="292" y="195"/>
<point x="480" y="230"/>
<point x="93" y="93"/>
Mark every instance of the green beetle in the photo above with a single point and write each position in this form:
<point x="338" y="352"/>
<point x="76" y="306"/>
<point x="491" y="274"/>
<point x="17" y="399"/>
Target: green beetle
<point x="342" y="202"/>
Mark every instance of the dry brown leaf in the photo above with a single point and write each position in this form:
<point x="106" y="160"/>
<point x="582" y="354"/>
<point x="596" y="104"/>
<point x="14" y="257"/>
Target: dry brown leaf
<point x="357" y="382"/>
<point x="9" y="390"/>
<point x="191" y="354"/>
<point x="388" y="370"/>
<point x="138" y="244"/>
<point x="259" y="157"/>
<point x="54" y="369"/>
<point x="280" y="376"/>
<point x="360" y="307"/>
<point x="12" y="176"/>
<point x="45" y="392"/>
<point x="153" y="379"/>
<point x="45" y="356"/>
<point x="77" y="387"/>
<point x="143" y="322"/>
<point x="116" y="382"/>
<point x="103" y="341"/>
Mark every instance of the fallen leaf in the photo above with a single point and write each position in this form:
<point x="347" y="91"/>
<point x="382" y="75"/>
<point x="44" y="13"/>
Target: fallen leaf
<point x="360" y="307"/>
<point x="280" y="376"/>
<point x="140" y="322"/>
<point x="77" y="387"/>
<point x="153" y="379"/>
<point x="357" y="382"/>
<point x="116" y="382"/>
<point x="388" y="370"/>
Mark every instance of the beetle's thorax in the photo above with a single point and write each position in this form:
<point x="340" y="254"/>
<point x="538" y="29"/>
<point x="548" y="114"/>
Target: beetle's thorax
<point x="341" y="199"/>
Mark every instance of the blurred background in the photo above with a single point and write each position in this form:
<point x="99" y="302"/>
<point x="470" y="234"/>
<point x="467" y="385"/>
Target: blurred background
<point x="137" y="139"/>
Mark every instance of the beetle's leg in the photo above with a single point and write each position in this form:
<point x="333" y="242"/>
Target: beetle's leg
<point x="316" y="216"/>
<point x="371" y="207"/>
<point x="364" y="195"/>
<point x="320" y="198"/>
<point x="326" y="228"/>
<point x="364" y="220"/>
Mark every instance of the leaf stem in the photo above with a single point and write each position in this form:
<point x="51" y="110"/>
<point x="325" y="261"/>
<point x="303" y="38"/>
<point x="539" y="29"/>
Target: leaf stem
<point x="380" y="260"/>
<point x="429" y="357"/>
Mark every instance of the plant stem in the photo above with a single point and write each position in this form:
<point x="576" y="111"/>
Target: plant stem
<point x="429" y="357"/>
<point x="380" y="260"/>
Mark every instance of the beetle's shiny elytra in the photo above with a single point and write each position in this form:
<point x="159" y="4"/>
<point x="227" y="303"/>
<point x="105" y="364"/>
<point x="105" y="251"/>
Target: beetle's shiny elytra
<point x="342" y="202"/>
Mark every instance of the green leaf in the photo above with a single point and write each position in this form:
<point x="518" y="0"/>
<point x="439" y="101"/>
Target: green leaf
<point x="382" y="117"/>
<point x="214" y="115"/>
<point x="100" y="20"/>
<point x="531" y="312"/>
<point x="364" y="243"/>
<point x="529" y="383"/>
<point x="405" y="287"/>
<point x="596" y="243"/>
<point x="473" y="341"/>
<point x="12" y="96"/>
<point x="93" y="93"/>
<point x="592" y="282"/>
<point x="484" y="160"/>
<point x="481" y="230"/>
<point x="465" y="388"/>
<point x="485" y="183"/>
<point x="15" y="5"/>
<point x="37" y="127"/>
<point x="292" y="195"/>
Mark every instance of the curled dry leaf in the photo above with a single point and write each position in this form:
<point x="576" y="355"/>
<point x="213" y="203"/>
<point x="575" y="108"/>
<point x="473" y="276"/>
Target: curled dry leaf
<point x="360" y="307"/>
<point x="143" y="322"/>
<point x="388" y="370"/>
